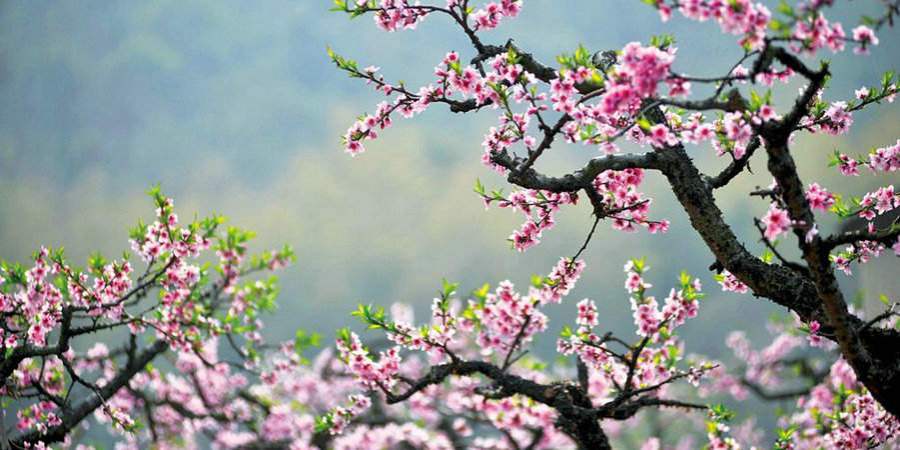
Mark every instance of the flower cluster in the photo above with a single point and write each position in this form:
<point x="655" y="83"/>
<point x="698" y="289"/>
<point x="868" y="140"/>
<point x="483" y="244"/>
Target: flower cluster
<point x="819" y="198"/>
<point x="38" y="416"/>
<point x="538" y="207"/>
<point x="882" y="159"/>
<point x="837" y="119"/>
<point x="636" y="77"/>
<point x="865" y="36"/>
<point x="34" y="307"/>
<point x="878" y="202"/>
<point x="389" y="15"/>
<point x="730" y="283"/>
<point x="741" y="17"/>
<point x="733" y="133"/>
<point x="623" y="203"/>
<point x="561" y="280"/>
<point x="763" y="366"/>
<point x="835" y="412"/>
<point x="860" y="252"/>
<point x="493" y="323"/>
<point x="371" y="374"/>
<point x="507" y="318"/>
<point x="840" y="413"/>
<point x="870" y="206"/>
<point x="645" y="309"/>
<point x="814" y="32"/>
<point x="48" y="308"/>
<point x="653" y="365"/>
<point x="490" y="15"/>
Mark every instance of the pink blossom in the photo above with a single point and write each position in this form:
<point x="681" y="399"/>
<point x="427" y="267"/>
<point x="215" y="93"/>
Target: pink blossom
<point x="865" y="36"/>
<point x="815" y="340"/>
<point x="730" y="283"/>
<point x="819" y="198"/>
<point x="776" y="222"/>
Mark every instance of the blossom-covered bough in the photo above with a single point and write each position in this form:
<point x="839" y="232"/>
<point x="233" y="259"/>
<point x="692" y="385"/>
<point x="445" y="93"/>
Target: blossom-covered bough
<point x="481" y="341"/>
<point x="599" y="99"/>
<point x="167" y="352"/>
<point x="180" y="305"/>
<point x="172" y="356"/>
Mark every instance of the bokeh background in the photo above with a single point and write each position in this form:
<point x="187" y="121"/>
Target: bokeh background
<point x="234" y="108"/>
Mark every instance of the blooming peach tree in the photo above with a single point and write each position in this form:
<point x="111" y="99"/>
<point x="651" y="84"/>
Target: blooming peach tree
<point x="163" y="347"/>
<point x="182" y="290"/>
<point x="634" y="107"/>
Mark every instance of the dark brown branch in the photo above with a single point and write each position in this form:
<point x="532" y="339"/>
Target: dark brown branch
<point x="735" y="167"/>
<point x="580" y="179"/>
<point x="77" y="413"/>
<point x="885" y="237"/>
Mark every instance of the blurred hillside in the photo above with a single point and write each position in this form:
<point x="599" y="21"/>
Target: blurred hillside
<point x="234" y="107"/>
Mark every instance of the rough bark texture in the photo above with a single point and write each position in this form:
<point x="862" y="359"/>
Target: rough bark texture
<point x="879" y="371"/>
<point x="813" y="293"/>
<point x="73" y="416"/>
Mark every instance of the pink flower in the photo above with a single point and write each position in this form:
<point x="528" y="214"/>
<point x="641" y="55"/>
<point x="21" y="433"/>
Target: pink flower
<point x="767" y="113"/>
<point x="661" y="137"/>
<point x="865" y="36"/>
<point x="838" y="118"/>
<point x="730" y="283"/>
<point x="819" y="198"/>
<point x="847" y="165"/>
<point x="776" y="222"/>
<point x="587" y="314"/>
<point x="886" y="200"/>
<point x="815" y="340"/>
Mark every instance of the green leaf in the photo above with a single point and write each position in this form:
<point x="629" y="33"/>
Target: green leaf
<point x="785" y="8"/>
<point x="720" y="413"/>
<point x="511" y="55"/>
<point x="644" y="123"/>
<point x="776" y="25"/>
<point x="685" y="279"/>
<point x="767" y="256"/>
<point x="304" y="340"/>
<point x="479" y="188"/>
<point x="343" y="334"/>
<point x="835" y="159"/>
<point x="640" y="264"/>
<point x="448" y="288"/>
<point x="755" y="101"/>
<point x="96" y="261"/>
<point x="662" y="41"/>
<point x="887" y="79"/>
<point x="482" y="292"/>
<point x="324" y="423"/>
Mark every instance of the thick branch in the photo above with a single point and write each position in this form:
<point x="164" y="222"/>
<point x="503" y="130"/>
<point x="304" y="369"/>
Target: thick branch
<point x="575" y="181"/>
<point x="885" y="237"/>
<point x="735" y="167"/>
<point x="77" y="413"/>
